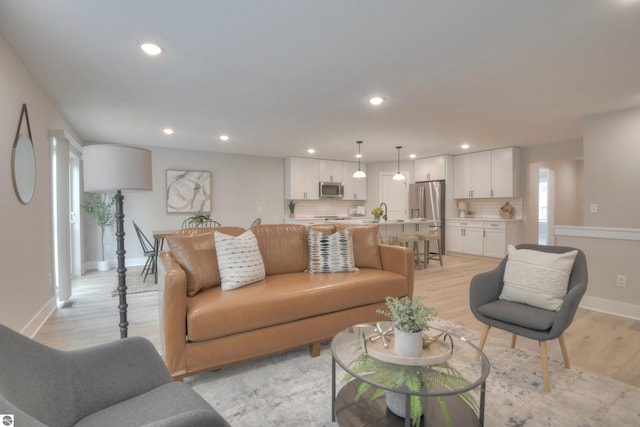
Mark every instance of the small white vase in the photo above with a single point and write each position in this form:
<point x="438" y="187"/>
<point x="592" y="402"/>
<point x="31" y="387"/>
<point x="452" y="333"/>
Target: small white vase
<point x="396" y="402"/>
<point x="407" y="344"/>
<point x="103" y="266"/>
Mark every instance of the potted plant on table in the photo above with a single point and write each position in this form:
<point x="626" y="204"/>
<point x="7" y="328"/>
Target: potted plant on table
<point x="410" y="318"/>
<point x="199" y="218"/>
<point x="101" y="208"/>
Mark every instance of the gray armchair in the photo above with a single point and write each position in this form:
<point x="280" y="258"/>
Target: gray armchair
<point x="525" y="320"/>
<point x="122" y="383"/>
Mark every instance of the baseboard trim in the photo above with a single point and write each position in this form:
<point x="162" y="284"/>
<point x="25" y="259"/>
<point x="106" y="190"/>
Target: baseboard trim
<point x="36" y="322"/>
<point x="618" y="308"/>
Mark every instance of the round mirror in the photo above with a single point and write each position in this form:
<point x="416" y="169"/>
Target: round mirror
<point x="23" y="168"/>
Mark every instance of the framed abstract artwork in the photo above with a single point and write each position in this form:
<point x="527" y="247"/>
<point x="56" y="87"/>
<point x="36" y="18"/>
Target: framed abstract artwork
<point x="188" y="191"/>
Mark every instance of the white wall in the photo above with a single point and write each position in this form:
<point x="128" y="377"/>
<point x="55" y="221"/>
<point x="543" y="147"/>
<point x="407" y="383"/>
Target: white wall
<point x="243" y="188"/>
<point x="611" y="169"/>
<point x="26" y="261"/>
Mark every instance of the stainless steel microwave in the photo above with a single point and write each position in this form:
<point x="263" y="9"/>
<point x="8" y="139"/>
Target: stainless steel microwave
<point x="331" y="190"/>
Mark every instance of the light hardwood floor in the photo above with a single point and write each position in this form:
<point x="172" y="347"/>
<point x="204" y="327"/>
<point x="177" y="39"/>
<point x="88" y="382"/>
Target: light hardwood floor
<point x="602" y="343"/>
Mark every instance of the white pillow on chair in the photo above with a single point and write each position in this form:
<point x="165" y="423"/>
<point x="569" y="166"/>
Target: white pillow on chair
<point x="537" y="278"/>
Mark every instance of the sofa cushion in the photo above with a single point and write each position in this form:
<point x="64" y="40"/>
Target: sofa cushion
<point x="366" y="249"/>
<point x="286" y="298"/>
<point x="537" y="278"/>
<point x="283" y="247"/>
<point x="239" y="259"/>
<point x="330" y="253"/>
<point x="195" y="251"/>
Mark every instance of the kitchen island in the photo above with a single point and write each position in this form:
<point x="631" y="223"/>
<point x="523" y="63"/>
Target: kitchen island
<point x="388" y="230"/>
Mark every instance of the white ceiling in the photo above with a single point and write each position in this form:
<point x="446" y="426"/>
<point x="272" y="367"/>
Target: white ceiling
<point x="281" y="76"/>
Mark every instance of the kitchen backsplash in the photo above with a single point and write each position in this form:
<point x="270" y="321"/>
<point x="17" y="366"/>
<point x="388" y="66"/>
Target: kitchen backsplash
<point x="482" y="208"/>
<point x="490" y="208"/>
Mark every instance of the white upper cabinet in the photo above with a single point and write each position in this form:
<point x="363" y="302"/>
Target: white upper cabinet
<point x="487" y="174"/>
<point x="354" y="188"/>
<point x="430" y="168"/>
<point x="331" y="170"/>
<point x="301" y="178"/>
<point x="472" y="175"/>
<point x="505" y="165"/>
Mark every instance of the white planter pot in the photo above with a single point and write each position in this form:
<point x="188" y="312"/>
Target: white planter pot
<point x="396" y="403"/>
<point x="407" y="344"/>
<point x="103" y="266"/>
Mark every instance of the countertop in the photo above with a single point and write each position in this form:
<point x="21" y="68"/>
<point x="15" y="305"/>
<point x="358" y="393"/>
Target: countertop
<point x="484" y="219"/>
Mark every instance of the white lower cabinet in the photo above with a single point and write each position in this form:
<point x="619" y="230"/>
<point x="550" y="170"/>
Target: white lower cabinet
<point x="485" y="238"/>
<point x="464" y="237"/>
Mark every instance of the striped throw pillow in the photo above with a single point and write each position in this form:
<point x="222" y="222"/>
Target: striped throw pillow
<point x="330" y="253"/>
<point x="239" y="260"/>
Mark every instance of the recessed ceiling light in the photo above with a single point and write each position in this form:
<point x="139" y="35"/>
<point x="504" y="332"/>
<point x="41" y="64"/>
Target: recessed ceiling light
<point x="151" y="49"/>
<point x="168" y="131"/>
<point x="376" y="100"/>
<point x="465" y="146"/>
<point x="224" y="137"/>
<point x="412" y="156"/>
<point x="311" y="151"/>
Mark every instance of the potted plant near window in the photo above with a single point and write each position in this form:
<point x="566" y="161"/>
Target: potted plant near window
<point x="101" y="208"/>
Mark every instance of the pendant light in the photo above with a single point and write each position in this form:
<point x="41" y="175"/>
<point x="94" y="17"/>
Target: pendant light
<point x="398" y="176"/>
<point x="359" y="173"/>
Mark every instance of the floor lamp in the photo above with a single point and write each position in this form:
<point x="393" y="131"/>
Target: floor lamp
<point x="112" y="168"/>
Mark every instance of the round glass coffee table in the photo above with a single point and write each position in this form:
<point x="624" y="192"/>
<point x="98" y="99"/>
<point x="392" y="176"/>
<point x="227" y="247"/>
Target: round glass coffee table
<point x="451" y="388"/>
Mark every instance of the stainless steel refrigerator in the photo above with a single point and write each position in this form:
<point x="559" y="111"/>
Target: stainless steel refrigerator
<point x="426" y="200"/>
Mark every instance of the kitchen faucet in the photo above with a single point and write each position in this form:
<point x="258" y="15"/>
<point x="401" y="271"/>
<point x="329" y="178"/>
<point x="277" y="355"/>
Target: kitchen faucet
<point x="384" y="216"/>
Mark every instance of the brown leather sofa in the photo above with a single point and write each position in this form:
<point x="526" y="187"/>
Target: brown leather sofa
<point x="205" y="328"/>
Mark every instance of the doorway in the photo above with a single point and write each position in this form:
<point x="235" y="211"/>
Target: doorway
<point x="66" y="226"/>
<point x="546" y="198"/>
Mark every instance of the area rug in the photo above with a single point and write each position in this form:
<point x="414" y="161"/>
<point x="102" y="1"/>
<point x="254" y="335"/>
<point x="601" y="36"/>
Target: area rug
<point x="294" y="389"/>
<point x="135" y="285"/>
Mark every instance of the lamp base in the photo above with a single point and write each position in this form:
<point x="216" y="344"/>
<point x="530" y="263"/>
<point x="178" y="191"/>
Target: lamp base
<point x="462" y="214"/>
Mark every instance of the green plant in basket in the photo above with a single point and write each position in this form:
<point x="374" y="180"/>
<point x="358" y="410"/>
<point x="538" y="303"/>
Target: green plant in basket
<point x="199" y="218"/>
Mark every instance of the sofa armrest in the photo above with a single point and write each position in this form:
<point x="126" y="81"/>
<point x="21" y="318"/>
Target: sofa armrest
<point x="173" y="314"/>
<point x="107" y="374"/>
<point x="398" y="259"/>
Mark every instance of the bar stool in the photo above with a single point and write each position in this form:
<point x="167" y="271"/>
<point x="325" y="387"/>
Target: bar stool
<point x="405" y="240"/>
<point x="427" y="238"/>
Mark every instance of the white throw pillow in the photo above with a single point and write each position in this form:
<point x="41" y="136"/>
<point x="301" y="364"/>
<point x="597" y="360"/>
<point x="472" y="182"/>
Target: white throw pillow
<point x="331" y="253"/>
<point x="537" y="278"/>
<point x="239" y="260"/>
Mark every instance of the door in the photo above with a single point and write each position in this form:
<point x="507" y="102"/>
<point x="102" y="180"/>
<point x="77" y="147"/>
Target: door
<point x="74" y="214"/>
<point x="395" y="195"/>
<point x="65" y="199"/>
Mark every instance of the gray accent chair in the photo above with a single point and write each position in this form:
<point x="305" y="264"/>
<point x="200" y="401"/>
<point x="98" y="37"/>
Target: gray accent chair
<point x="122" y="383"/>
<point x="525" y="320"/>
